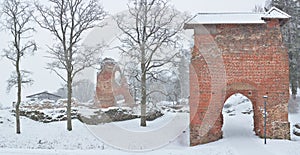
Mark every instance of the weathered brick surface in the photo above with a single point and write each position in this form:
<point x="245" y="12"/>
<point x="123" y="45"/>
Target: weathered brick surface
<point x="108" y="90"/>
<point x="238" y="58"/>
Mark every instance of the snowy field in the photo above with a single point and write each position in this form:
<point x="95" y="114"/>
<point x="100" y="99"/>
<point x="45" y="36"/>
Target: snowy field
<point x="167" y="135"/>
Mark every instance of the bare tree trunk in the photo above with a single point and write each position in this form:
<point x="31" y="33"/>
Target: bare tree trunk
<point x="294" y="88"/>
<point x="144" y="86"/>
<point x="69" y="103"/>
<point x="144" y="97"/>
<point x="17" y="18"/>
<point x="18" y="126"/>
<point x="19" y="80"/>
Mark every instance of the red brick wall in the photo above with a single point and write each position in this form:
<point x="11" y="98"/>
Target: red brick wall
<point x="104" y="89"/>
<point x="107" y="90"/>
<point x="238" y="58"/>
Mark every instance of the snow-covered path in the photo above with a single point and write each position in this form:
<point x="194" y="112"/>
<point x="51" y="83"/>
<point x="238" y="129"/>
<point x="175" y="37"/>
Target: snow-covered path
<point x="241" y="137"/>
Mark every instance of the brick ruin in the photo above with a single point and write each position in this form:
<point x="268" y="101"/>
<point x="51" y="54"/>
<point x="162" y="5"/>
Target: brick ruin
<point x="111" y="86"/>
<point x="247" y="58"/>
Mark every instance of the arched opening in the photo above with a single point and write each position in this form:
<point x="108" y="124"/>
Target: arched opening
<point x="238" y="117"/>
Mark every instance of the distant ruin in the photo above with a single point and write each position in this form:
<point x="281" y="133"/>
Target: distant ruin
<point x="112" y="86"/>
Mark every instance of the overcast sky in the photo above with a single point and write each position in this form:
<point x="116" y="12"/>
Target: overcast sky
<point x="195" y="6"/>
<point x="44" y="80"/>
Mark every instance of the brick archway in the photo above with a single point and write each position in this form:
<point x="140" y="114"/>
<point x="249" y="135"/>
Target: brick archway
<point x="251" y="92"/>
<point x="238" y="114"/>
<point x="246" y="58"/>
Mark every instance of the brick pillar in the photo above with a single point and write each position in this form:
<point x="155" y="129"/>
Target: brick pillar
<point x="208" y="68"/>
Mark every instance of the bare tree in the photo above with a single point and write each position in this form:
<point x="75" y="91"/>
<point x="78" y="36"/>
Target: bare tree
<point x="67" y="21"/>
<point x="291" y="32"/>
<point x="183" y="73"/>
<point x="62" y="92"/>
<point x="17" y="18"/>
<point x="149" y="28"/>
<point x="84" y="90"/>
<point x="258" y="9"/>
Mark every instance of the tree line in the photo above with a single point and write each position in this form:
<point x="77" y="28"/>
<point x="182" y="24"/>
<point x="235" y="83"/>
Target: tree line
<point x="154" y="25"/>
<point x="67" y="21"/>
<point x="291" y="36"/>
<point x="148" y="29"/>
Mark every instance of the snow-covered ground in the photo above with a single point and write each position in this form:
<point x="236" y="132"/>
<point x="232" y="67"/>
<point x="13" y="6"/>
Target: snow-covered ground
<point x="165" y="135"/>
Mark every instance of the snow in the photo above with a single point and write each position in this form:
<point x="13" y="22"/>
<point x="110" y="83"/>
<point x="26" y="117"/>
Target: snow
<point x="87" y="112"/>
<point x="37" y="135"/>
<point x="168" y="134"/>
<point x="297" y="129"/>
<point x="237" y="17"/>
<point x="227" y="18"/>
<point x="276" y="13"/>
<point x="294" y="119"/>
<point x="128" y="135"/>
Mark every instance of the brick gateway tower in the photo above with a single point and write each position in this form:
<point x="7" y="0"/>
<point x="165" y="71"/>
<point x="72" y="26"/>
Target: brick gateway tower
<point x="238" y="53"/>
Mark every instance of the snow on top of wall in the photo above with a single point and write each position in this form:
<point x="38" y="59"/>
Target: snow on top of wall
<point x="227" y="18"/>
<point x="237" y="17"/>
<point x="276" y="13"/>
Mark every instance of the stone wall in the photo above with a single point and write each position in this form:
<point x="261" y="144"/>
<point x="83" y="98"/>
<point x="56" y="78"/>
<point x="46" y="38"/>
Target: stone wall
<point x="238" y="58"/>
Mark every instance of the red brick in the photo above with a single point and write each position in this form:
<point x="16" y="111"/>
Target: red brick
<point x="255" y="63"/>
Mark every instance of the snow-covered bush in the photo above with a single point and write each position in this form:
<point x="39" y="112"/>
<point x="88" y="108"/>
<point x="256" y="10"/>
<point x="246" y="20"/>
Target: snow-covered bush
<point x="113" y="114"/>
<point x="47" y="115"/>
<point x="184" y="101"/>
<point x="296" y="130"/>
<point x="227" y="105"/>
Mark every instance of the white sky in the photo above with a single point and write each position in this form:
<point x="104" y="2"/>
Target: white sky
<point x="195" y="6"/>
<point x="44" y="80"/>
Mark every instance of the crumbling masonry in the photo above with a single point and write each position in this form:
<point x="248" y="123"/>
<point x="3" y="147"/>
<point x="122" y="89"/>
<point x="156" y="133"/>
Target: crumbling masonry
<point x="238" y="56"/>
